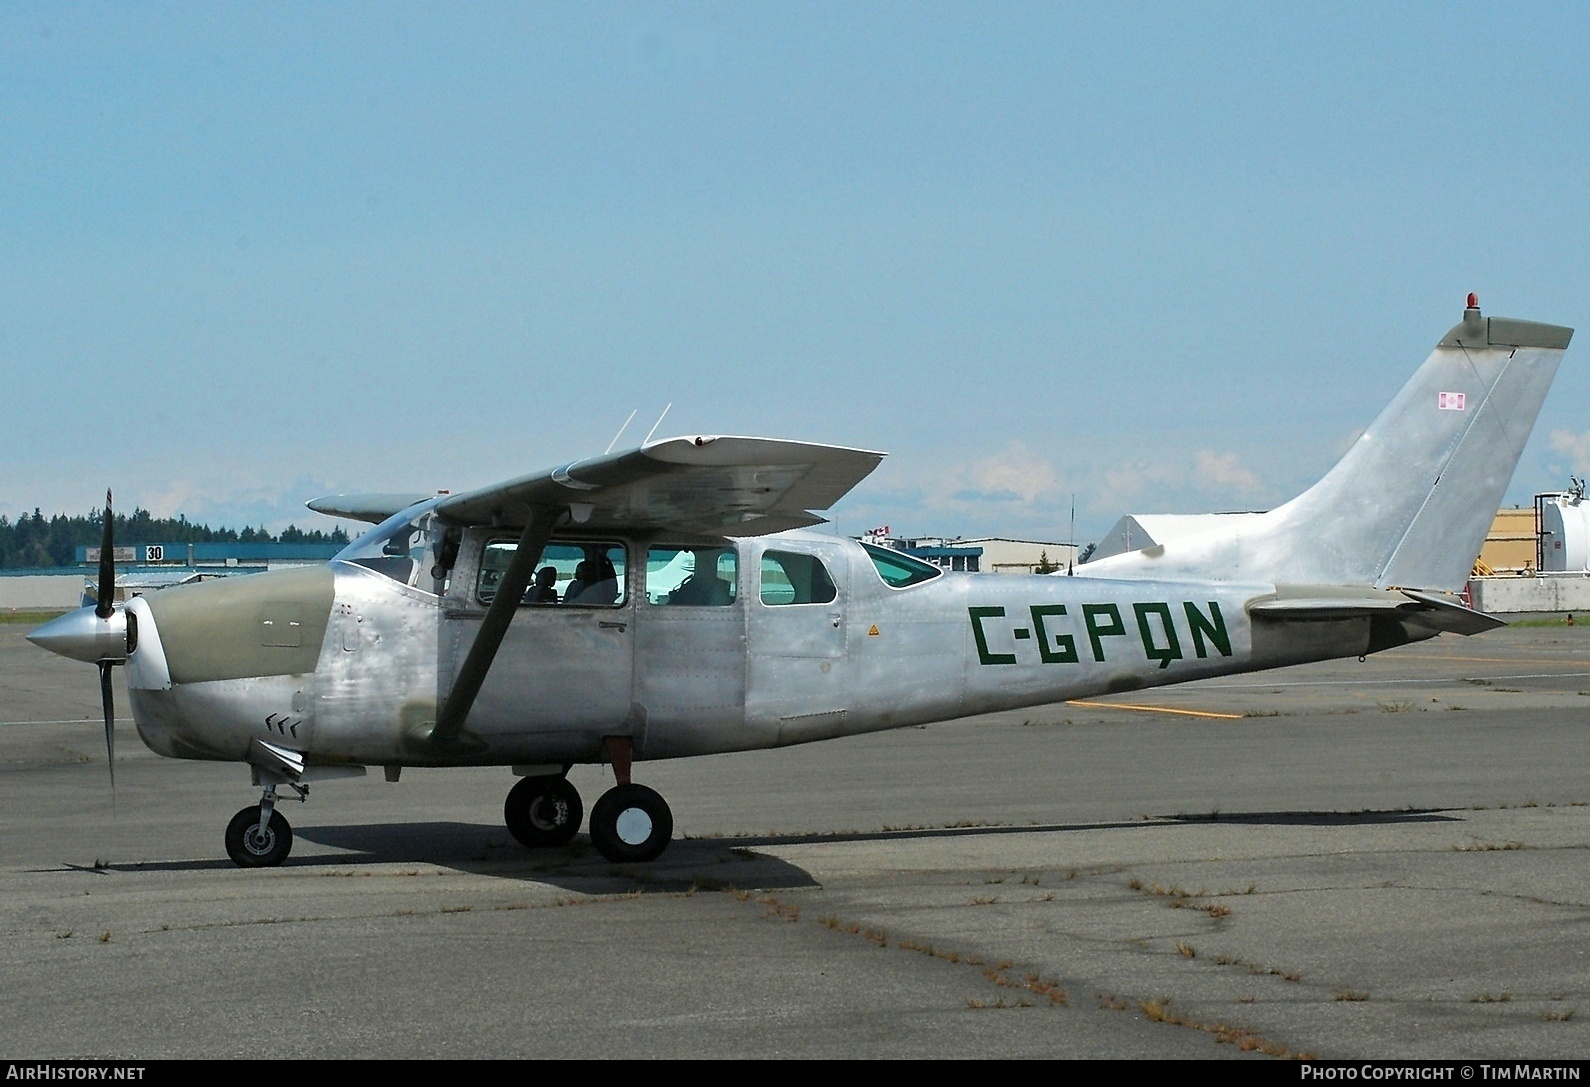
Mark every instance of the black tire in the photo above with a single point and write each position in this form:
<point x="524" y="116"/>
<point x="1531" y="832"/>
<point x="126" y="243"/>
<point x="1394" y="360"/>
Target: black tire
<point x="543" y="811"/>
<point x="249" y="849"/>
<point x="631" y="823"/>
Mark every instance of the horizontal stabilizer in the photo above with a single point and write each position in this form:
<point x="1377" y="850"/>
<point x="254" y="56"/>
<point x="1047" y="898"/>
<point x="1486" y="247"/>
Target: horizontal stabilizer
<point x="1304" y="604"/>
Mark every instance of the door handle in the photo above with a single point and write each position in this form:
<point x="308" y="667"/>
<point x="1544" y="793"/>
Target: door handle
<point x="605" y="625"/>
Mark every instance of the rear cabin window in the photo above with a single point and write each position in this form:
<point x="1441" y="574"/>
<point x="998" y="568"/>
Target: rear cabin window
<point x="790" y="578"/>
<point x="588" y="574"/>
<point x="697" y="577"/>
<point x="897" y="570"/>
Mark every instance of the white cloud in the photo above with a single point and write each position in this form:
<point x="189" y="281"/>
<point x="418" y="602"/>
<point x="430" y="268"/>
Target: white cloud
<point x="1020" y="490"/>
<point x="1016" y="469"/>
<point x="1575" y="446"/>
<point x="1222" y="471"/>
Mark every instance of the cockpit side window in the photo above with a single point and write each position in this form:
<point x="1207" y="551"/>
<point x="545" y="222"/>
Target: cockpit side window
<point x="589" y="574"/>
<point x="700" y="577"/>
<point x="899" y="571"/>
<point x="790" y="578"/>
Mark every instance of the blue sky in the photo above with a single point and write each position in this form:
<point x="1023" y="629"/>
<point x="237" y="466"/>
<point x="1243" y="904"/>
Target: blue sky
<point x="1166" y="257"/>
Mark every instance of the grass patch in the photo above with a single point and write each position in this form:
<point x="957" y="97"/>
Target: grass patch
<point x="1351" y="995"/>
<point x="1158" y="1010"/>
<point x="30" y="618"/>
<point x="1488" y="847"/>
<point x="1182" y="899"/>
<point x="1396" y="707"/>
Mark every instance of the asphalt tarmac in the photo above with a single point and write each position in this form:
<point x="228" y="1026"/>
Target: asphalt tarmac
<point x="1378" y="859"/>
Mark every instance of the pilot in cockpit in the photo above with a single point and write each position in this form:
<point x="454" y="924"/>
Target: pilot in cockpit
<point x="703" y="588"/>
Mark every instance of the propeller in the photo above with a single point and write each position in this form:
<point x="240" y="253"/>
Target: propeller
<point x="102" y="634"/>
<point x="105" y="607"/>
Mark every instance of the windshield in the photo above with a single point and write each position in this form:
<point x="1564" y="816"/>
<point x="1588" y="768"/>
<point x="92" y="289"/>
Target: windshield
<point x="897" y="570"/>
<point x="398" y="548"/>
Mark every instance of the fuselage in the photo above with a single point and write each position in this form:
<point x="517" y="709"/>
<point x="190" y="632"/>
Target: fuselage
<point x="804" y="636"/>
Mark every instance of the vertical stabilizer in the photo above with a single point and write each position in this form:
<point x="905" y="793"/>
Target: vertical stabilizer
<point x="1411" y="502"/>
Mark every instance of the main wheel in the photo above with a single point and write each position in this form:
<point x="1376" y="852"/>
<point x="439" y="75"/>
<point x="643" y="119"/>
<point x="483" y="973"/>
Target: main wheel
<point x="248" y="848"/>
<point x="631" y="823"/>
<point x="543" y="811"/>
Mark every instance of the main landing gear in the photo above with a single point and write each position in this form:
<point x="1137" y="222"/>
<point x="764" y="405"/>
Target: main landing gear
<point x="543" y="811"/>
<point x="630" y="822"/>
<point x="259" y="837"/>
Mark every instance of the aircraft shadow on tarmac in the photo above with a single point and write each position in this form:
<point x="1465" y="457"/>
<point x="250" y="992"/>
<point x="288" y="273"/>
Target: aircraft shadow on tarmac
<point x="1320" y="818"/>
<point x="487" y="850"/>
<point x="719" y="863"/>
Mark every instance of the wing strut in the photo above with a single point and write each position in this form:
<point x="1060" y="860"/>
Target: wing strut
<point x="515" y="579"/>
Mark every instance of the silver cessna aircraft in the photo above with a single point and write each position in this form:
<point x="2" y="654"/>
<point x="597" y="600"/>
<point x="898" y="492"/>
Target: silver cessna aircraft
<point x="671" y="601"/>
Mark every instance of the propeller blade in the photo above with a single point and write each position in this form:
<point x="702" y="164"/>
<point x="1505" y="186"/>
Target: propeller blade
<point x="107" y="567"/>
<point x="109" y="699"/>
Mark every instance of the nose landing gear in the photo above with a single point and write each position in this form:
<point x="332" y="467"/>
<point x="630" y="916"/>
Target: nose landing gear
<point x="259" y="836"/>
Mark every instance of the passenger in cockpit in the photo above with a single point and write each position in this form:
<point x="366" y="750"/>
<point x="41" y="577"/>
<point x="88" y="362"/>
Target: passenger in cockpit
<point x="544" y="589"/>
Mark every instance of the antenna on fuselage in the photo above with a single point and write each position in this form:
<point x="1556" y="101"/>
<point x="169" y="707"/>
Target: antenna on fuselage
<point x="620" y="433"/>
<point x="658" y="423"/>
<point x="1071" y="563"/>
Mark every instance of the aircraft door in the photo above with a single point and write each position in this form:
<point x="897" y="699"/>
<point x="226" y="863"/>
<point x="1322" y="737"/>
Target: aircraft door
<point x="799" y="680"/>
<point x="562" y="678"/>
<point x="690" y="651"/>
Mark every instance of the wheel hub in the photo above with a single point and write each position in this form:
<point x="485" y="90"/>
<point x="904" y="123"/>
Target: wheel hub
<point x="549" y="814"/>
<point x="633" y="826"/>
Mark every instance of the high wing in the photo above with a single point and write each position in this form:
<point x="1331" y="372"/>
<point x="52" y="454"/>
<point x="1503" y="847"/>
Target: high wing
<point x="374" y="508"/>
<point x="716" y="485"/>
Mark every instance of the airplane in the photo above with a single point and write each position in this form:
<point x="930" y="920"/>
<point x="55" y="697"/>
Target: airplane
<point x="671" y="600"/>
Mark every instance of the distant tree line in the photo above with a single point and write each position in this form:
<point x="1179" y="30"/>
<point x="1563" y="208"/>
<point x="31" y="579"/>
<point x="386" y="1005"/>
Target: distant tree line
<point x="34" y="541"/>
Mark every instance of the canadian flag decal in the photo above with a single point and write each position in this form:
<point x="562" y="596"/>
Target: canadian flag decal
<point x="1450" y="401"/>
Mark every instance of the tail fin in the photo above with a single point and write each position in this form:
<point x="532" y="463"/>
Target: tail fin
<point x="1411" y="502"/>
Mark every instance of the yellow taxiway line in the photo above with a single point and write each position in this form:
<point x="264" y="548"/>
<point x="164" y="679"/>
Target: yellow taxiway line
<point x="1157" y="709"/>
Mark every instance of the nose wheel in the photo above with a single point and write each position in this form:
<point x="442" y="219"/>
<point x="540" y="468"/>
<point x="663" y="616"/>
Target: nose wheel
<point x="543" y="811"/>
<point x="259" y="837"/>
<point x="256" y="840"/>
